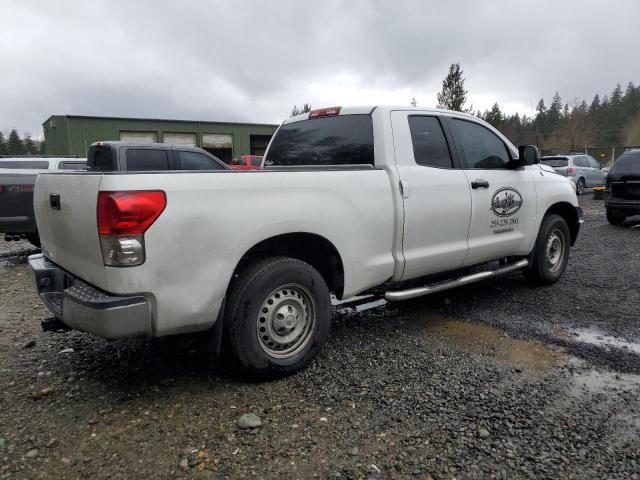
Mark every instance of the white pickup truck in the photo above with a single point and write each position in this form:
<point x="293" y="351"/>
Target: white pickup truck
<point x="415" y="200"/>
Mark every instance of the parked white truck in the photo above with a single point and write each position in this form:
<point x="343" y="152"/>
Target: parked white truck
<point x="415" y="200"/>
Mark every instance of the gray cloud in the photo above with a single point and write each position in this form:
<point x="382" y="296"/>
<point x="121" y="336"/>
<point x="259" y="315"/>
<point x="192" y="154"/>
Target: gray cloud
<point x="252" y="60"/>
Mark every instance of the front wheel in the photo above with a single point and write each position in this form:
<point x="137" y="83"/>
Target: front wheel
<point x="278" y="317"/>
<point x="614" y="219"/>
<point x="550" y="255"/>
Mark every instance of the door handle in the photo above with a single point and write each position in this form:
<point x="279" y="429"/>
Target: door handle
<point x="479" y="183"/>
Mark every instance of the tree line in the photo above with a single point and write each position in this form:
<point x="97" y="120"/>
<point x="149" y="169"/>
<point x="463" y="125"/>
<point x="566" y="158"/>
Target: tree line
<point x="608" y="121"/>
<point x="13" y="144"/>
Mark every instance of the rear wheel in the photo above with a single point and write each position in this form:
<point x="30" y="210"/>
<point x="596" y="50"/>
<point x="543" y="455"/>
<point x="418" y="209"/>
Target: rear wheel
<point x="550" y="255"/>
<point x="580" y="186"/>
<point x="278" y="317"/>
<point x="614" y="219"/>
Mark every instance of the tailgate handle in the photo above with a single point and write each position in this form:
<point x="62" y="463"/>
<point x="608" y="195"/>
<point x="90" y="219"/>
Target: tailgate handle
<point x="54" y="201"/>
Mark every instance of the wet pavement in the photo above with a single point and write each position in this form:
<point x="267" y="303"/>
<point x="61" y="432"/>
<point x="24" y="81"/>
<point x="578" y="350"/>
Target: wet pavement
<point x="493" y="380"/>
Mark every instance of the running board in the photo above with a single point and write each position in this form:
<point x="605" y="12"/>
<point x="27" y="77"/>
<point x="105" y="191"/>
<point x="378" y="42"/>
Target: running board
<point x="446" y="285"/>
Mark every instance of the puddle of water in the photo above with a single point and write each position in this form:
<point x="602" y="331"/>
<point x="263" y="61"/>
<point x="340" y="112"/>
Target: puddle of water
<point x="492" y="342"/>
<point x="602" y="382"/>
<point x="595" y="337"/>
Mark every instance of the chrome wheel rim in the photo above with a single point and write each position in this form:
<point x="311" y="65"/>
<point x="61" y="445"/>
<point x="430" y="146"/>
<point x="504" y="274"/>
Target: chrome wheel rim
<point x="580" y="187"/>
<point x="286" y="321"/>
<point x="554" y="251"/>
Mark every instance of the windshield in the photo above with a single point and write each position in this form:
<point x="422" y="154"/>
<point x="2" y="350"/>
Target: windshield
<point x="337" y="140"/>
<point x="628" y="163"/>
<point x="556" y="162"/>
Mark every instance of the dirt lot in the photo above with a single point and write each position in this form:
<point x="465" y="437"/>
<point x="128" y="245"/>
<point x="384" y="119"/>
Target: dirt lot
<point x="495" y="380"/>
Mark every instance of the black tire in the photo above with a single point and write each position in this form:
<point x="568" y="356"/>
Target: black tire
<point x="614" y="219"/>
<point x="544" y="267"/>
<point x="580" y="186"/>
<point x="271" y="340"/>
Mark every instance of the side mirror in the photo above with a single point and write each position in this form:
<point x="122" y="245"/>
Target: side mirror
<point x="529" y="155"/>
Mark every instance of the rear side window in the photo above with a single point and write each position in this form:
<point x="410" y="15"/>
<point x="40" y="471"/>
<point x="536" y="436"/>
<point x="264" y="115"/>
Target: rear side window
<point x="430" y="147"/>
<point x="71" y="165"/>
<point x="482" y="148"/>
<point x="256" y="161"/>
<point x="100" y="157"/>
<point x="24" y="164"/>
<point x="580" y="162"/>
<point x="338" y="140"/>
<point x="627" y="164"/>
<point x="556" y="162"/>
<point x="141" y="159"/>
<point x="196" y="161"/>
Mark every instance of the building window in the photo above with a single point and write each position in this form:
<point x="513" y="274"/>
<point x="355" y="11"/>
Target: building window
<point x="219" y="145"/>
<point x="138" y="137"/>
<point x="258" y="144"/>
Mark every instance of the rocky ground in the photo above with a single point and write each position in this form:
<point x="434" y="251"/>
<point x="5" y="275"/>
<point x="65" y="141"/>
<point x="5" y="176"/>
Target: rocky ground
<point x="496" y="380"/>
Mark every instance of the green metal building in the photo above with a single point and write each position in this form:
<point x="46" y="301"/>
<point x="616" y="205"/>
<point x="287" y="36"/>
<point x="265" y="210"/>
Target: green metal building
<point x="72" y="134"/>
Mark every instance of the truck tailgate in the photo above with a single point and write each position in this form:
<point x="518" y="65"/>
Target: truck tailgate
<point x="65" y="209"/>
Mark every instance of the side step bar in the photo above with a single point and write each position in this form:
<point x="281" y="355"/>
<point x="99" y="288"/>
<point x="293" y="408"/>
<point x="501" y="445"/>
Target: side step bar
<point x="447" y="284"/>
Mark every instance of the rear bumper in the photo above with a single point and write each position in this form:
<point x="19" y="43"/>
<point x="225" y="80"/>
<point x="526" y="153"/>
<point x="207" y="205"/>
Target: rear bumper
<point x="626" y="207"/>
<point x="82" y="306"/>
<point x="22" y="224"/>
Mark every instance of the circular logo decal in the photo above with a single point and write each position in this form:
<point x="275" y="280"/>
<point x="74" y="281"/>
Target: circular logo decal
<point x="506" y="201"/>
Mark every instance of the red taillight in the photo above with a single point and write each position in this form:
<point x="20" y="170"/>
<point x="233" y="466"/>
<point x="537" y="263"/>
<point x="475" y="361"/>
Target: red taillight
<point x="324" y="112"/>
<point x="129" y="213"/>
<point x="571" y="170"/>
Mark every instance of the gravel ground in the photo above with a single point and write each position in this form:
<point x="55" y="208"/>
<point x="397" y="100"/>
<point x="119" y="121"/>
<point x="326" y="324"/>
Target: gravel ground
<point x="495" y="380"/>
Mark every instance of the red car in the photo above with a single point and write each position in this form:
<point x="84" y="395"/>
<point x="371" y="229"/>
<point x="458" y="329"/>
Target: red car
<point x="246" y="162"/>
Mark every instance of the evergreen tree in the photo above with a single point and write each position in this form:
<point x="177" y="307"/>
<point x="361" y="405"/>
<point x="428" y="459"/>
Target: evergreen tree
<point x="15" y="145"/>
<point x="29" y="145"/>
<point x="554" y="113"/>
<point x="299" y="111"/>
<point x="3" y="144"/>
<point x="453" y="96"/>
<point x="494" y="116"/>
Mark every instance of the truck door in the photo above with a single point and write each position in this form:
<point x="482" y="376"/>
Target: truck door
<point x="436" y="195"/>
<point x="503" y="199"/>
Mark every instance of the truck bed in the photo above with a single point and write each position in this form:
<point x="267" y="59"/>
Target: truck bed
<point x="211" y="220"/>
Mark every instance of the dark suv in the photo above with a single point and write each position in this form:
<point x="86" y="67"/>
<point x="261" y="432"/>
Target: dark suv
<point x="136" y="157"/>
<point x="622" y="196"/>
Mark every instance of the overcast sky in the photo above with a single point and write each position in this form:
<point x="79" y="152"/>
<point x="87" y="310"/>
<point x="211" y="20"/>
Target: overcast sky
<point x="253" y="60"/>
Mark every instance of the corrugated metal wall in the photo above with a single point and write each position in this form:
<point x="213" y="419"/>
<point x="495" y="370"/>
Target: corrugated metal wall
<point x="72" y="135"/>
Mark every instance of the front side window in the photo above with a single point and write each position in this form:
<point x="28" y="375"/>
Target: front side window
<point x="196" y="161"/>
<point x="143" y="159"/>
<point x="25" y="164"/>
<point x="593" y="162"/>
<point x="256" y="161"/>
<point x="430" y="147"/>
<point x="335" y="140"/>
<point x="482" y="148"/>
